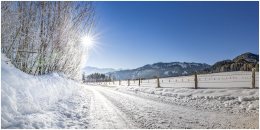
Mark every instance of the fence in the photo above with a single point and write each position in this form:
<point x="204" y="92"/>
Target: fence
<point x="237" y="79"/>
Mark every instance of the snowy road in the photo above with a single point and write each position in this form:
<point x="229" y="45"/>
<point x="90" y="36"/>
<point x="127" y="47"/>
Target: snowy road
<point x="114" y="109"/>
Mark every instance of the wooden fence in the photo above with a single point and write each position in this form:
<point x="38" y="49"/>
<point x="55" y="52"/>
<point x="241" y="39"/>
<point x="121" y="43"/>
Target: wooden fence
<point x="237" y="79"/>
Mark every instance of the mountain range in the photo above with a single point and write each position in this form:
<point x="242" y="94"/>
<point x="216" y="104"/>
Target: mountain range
<point x="159" y="69"/>
<point x="90" y="70"/>
<point x="243" y="62"/>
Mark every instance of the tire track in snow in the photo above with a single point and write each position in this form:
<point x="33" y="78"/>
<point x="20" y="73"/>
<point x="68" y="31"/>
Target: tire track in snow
<point x="104" y="114"/>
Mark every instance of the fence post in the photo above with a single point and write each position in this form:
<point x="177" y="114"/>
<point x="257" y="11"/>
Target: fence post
<point x="128" y="82"/>
<point x="253" y="77"/>
<point x="119" y="82"/>
<point x="83" y="77"/>
<point x="196" y="80"/>
<point x="139" y="82"/>
<point x="158" y="82"/>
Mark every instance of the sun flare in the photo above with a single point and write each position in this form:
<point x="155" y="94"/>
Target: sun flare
<point x="88" y="40"/>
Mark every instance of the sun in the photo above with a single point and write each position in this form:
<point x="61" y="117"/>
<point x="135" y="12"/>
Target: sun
<point x="88" y="40"/>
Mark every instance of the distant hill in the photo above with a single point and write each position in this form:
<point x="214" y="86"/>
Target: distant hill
<point x="243" y="62"/>
<point x="159" y="69"/>
<point x="90" y="70"/>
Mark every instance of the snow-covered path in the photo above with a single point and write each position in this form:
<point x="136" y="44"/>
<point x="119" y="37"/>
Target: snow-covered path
<point x="104" y="114"/>
<point x="114" y="109"/>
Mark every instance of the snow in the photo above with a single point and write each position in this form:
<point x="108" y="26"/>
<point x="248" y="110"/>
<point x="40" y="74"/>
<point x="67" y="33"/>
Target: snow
<point x="36" y="101"/>
<point x="183" y="65"/>
<point x="236" y="79"/>
<point x="166" y="73"/>
<point x="215" y="99"/>
<point x="185" y="72"/>
<point x="52" y="101"/>
<point x="135" y="109"/>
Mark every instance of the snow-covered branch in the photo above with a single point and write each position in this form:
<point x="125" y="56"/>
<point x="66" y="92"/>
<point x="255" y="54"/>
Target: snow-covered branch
<point x="51" y="29"/>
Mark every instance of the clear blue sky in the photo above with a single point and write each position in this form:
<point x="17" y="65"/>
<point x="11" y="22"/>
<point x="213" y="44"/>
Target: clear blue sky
<point x="137" y="33"/>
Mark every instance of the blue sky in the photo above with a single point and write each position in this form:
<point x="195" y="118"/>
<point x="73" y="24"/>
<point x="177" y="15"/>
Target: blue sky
<point x="133" y="34"/>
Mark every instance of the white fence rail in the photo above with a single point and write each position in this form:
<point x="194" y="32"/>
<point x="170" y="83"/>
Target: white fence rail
<point x="237" y="79"/>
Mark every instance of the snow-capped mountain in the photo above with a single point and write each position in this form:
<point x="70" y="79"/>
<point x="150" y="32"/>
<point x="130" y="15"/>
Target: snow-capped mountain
<point x="90" y="70"/>
<point x="159" y="69"/>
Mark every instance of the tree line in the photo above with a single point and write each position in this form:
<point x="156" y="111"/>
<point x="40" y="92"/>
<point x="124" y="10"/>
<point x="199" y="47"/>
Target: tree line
<point x="96" y="77"/>
<point x="43" y="37"/>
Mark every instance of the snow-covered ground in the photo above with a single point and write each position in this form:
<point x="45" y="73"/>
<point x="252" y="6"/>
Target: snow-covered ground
<point x="143" y="110"/>
<point x="235" y="79"/>
<point x="52" y="101"/>
<point x="49" y="101"/>
<point x="229" y="100"/>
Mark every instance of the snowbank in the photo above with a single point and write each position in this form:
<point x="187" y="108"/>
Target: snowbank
<point x="235" y="100"/>
<point x="24" y="95"/>
<point x="199" y="93"/>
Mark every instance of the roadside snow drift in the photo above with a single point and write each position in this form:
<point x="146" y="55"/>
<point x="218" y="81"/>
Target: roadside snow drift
<point x="235" y="100"/>
<point x="27" y="101"/>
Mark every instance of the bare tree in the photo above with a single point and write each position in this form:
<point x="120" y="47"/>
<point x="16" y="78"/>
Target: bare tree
<point x="43" y="37"/>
